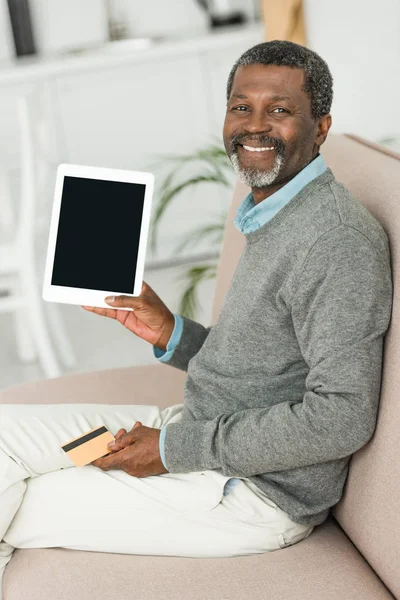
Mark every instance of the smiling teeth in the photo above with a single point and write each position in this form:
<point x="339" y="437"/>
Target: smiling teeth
<point x="257" y="149"/>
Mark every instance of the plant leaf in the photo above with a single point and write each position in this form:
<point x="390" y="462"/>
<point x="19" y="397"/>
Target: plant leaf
<point x="211" y="152"/>
<point x="170" y="194"/>
<point x="212" y="229"/>
<point x="217" y="161"/>
<point x="188" y="302"/>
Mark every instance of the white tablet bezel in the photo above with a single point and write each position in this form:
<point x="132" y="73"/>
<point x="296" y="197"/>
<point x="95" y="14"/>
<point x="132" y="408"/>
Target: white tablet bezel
<point x="83" y="296"/>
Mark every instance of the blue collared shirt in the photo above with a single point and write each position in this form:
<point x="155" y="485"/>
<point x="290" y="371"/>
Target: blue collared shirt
<point x="249" y="217"/>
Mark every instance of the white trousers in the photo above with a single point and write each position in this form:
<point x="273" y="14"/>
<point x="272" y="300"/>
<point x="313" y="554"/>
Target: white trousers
<point x="46" y="501"/>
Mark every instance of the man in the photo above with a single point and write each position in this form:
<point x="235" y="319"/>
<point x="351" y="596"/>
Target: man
<point x="280" y="392"/>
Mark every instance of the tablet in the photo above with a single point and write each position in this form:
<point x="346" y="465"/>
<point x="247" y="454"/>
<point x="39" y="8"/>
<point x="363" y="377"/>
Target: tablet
<point x="98" y="235"/>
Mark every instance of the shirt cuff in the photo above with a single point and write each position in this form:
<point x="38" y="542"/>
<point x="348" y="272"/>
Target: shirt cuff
<point x="161" y="446"/>
<point x="165" y="355"/>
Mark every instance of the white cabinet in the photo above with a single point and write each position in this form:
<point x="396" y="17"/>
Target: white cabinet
<point x="9" y="139"/>
<point x="124" y="117"/>
<point x="129" y="112"/>
<point x="128" y="117"/>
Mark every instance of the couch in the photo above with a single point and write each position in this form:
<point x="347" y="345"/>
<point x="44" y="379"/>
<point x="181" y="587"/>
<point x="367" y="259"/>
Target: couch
<point x="353" y="555"/>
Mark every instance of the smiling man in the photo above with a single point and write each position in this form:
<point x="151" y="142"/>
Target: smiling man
<point x="284" y="388"/>
<point x="279" y="393"/>
<point x="279" y="98"/>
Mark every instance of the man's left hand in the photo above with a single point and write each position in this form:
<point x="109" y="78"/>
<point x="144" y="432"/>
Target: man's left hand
<point x="135" y="452"/>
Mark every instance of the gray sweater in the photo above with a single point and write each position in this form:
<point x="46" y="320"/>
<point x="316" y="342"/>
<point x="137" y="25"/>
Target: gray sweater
<point x="284" y="388"/>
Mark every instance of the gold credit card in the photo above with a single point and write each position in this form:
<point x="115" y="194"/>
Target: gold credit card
<point x="89" y="446"/>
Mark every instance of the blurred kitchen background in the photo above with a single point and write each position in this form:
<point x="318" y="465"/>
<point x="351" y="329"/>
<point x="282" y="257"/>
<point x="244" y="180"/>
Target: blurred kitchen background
<point x="130" y="84"/>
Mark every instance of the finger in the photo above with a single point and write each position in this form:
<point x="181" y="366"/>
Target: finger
<point x="123" y="301"/>
<point x="124" y="440"/>
<point x="117" y="436"/>
<point x="103" y="312"/>
<point x="114" y="460"/>
<point x="103" y="461"/>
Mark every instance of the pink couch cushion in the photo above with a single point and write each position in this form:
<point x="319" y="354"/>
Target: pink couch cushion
<point x="325" y="566"/>
<point x="368" y="510"/>
<point x="155" y="384"/>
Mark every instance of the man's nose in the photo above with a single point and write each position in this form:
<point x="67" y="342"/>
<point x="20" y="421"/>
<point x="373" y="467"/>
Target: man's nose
<point x="258" y="122"/>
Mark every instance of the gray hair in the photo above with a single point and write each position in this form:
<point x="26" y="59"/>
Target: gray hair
<point x="318" y="78"/>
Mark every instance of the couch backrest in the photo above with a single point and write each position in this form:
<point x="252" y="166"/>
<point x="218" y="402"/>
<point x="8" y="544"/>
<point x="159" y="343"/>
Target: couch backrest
<point x="369" y="509"/>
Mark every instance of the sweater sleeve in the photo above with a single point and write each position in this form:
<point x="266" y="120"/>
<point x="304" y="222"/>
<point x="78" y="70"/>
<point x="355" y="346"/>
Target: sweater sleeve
<point x="341" y="309"/>
<point x="185" y="342"/>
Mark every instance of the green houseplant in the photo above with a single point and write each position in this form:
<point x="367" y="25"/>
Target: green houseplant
<point x="208" y="165"/>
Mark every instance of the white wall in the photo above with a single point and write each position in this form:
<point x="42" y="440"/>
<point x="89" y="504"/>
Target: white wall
<point x="360" y="41"/>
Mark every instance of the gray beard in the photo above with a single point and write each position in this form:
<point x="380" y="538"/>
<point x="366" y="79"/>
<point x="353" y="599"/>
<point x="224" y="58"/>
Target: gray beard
<point x="256" y="178"/>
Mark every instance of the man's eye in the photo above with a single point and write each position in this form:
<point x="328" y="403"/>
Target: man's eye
<point x="280" y="108"/>
<point x="239" y="107"/>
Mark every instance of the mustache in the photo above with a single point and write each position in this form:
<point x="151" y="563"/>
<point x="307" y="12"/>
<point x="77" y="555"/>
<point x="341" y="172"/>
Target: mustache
<point x="262" y="140"/>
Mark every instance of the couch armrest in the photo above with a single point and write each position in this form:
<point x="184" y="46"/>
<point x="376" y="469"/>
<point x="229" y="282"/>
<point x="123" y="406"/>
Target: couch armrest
<point x="161" y="385"/>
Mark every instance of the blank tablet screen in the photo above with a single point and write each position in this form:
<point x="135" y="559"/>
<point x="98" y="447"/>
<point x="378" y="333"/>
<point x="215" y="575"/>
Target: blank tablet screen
<point x="98" y="234"/>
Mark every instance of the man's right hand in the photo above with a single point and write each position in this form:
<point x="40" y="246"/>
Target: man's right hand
<point x="150" y="320"/>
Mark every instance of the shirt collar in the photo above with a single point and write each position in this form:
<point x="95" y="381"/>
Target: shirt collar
<point x="251" y="216"/>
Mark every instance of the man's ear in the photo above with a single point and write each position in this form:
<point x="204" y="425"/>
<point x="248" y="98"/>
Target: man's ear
<point x="323" y="125"/>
